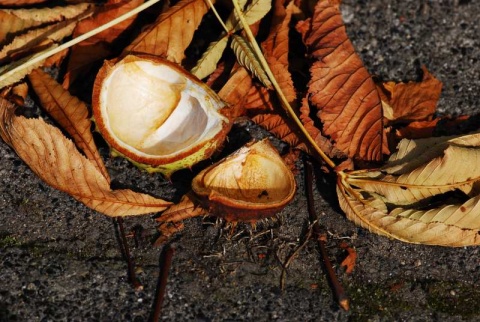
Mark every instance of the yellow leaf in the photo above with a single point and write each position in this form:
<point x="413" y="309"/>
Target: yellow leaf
<point x="56" y="160"/>
<point x="208" y="62"/>
<point x="253" y="13"/>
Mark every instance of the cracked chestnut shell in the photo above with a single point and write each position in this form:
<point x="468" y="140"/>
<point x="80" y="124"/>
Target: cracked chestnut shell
<point x="250" y="184"/>
<point x="156" y="114"/>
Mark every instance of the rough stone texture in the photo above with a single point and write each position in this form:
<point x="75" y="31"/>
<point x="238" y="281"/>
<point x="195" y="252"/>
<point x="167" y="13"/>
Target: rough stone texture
<point x="59" y="261"/>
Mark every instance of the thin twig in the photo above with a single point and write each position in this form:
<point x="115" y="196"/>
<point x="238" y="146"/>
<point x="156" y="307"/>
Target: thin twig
<point x="132" y="277"/>
<point x="321" y="238"/>
<point x="165" y="263"/>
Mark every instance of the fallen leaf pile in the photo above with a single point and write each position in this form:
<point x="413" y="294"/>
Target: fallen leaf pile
<point x="426" y="192"/>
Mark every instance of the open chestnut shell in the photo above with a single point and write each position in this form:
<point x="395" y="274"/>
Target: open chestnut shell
<point x="250" y="184"/>
<point x="156" y="114"/>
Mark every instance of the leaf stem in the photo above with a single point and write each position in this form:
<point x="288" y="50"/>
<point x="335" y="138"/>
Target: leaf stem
<point x="321" y="238"/>
<point x="165" y="264"/>
<point x="75" y="41"/>
<point x="126" y="252"/>
<point x="215" y="12"/>
<point x="278" y="90"/>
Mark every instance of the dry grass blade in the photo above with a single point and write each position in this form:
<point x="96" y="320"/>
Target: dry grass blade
<point x="341" y="88"/>
<point x="173" y="31"/>
<point x="70" y="113"/>
<point x="56" y="160"/>
<point x="15" y="71"/>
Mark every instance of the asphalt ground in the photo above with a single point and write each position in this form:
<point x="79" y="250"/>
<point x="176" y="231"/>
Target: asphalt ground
<point x="60" y="261"/>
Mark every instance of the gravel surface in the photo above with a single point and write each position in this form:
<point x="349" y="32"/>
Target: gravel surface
<point x="59" y="261"/>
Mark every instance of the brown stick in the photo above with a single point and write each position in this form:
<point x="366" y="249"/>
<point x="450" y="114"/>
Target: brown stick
<point x="337" y="288"/>
<point x="132" y="277"/>
<point x="165" y="263"/>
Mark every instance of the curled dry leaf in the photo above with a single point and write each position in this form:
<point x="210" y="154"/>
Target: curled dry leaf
<point x="407" y="102"/>
<point x="56" y="160"/>
<point x="172" y="32"/>
<point x="15" y="21"/>
<point x="341" y="88"/>
<point x="422" y="169"/>
<point x="396" y="200"/>
<point x="70" y="113"/>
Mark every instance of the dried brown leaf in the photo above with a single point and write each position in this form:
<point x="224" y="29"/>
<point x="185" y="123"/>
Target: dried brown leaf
<point x="397" y="200"/>
<point x="235" y="91"/>
<point x="278" y="126"/>
<point x="172" y="32"/>
<point x="70" y="113"/>
<point x="453" y="225"/>
<point x="425" y="129"/>
<point x="259" y="100"/>
<point x="341" y="88"/>
<point x="412" y="101"/>
<point x="316" y="134"/>
<point x="37" y="38"/>
<point x="18" y="3"/>
<point x="21" y="73"/>
<point x="275" y="48"/>
<point x="97" y="47"/>
<point x="186" y="208"/>
<point x="350" y="260"/>
<point x="14" y="21"/>
<point x="56" y="160"/>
